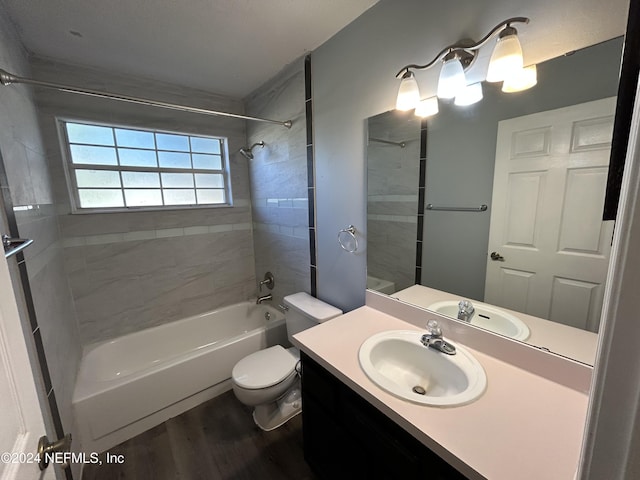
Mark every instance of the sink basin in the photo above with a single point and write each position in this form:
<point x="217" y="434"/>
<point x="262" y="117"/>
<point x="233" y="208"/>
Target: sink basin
<point x="488" y="317"/>
<point x="399" y="363"/>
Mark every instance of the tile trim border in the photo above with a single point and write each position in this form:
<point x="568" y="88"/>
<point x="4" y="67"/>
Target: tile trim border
<point x="421" y="199"/>
<point x="308" y="102"/>
<point x="80" y="241"/>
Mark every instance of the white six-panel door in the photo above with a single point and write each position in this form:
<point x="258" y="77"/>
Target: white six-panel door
<point x="21" y="422"/>
<point x="546" y="219"/>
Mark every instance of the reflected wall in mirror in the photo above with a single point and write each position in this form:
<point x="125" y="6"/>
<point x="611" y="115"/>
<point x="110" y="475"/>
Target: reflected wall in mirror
<point x="393" y="183"/>
<point x="461" y="156"/>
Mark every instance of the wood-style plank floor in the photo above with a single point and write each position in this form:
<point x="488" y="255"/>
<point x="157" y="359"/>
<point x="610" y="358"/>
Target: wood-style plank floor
<point x="216" y="440"/>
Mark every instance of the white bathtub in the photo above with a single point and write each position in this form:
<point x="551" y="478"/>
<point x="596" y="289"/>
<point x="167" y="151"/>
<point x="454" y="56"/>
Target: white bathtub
<point x="132" y="383"/>
<point x="381" y="285"/>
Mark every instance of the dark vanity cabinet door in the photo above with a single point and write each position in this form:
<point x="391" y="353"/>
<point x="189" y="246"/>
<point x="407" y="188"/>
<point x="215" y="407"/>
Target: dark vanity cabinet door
<point x="345" y="437"/>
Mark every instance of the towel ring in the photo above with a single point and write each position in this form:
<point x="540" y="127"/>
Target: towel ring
<point x="350" y="230"/>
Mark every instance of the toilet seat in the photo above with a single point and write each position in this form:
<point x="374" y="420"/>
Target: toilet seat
<point x="264" y="368"/>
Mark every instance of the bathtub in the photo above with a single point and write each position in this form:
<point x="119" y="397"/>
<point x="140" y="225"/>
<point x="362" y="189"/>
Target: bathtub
<point x="381" y="285"/>
<point x="135" y="382"/>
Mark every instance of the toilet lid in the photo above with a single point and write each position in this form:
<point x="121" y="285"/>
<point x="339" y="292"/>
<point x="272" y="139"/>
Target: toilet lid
<point x="264" y="368"/>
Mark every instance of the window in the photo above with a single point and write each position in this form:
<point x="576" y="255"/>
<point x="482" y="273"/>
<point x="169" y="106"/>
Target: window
<point x="114" y="168"/>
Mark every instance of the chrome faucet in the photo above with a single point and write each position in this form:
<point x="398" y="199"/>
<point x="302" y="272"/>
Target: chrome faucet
<point x="434" y="339"/>
<point x="465" y="311"/>
<point x="269" y="281"/>
<point x="264" y="298"/>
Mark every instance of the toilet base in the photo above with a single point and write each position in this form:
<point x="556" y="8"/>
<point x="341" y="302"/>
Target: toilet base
<point x="273" y="415"/>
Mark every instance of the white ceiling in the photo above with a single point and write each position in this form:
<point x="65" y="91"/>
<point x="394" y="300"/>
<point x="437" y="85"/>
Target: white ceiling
<point x="224" y="46"/>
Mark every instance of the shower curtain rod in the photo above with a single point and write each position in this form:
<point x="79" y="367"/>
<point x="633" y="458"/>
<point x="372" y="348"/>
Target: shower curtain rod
<point x="7" y="78"/>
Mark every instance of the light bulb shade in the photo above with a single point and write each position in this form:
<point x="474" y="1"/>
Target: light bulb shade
<point x="452" y="79"/>
<point x="408" y="93"/>
<point x="470" y="95"/>
<point x="521" y="80"/>
<point x="427" y="107"/>
<point x="505" y="59"/>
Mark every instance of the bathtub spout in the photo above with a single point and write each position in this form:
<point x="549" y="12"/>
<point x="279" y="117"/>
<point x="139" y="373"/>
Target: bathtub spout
<point x="264" y="298"/>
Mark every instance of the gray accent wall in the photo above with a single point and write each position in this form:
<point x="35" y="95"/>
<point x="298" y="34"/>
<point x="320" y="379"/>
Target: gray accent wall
<point x="133" y="270"/>
<point x="461" y="156"/>
<point x="278" y="175"/>
<point x="354" y="78"/>
<point x="29" y="177"/>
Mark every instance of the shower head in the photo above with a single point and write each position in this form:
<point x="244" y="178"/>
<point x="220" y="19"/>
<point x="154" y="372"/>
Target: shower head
<point x="247" y="152"/>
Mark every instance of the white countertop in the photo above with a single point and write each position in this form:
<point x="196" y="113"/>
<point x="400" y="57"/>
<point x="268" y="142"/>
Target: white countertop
<point x="569" y="341"/>
<point x="523" y="427"/>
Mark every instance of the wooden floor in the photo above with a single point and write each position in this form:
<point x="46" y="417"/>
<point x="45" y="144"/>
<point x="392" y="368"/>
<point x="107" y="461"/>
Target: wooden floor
<point x="216" y="440"/>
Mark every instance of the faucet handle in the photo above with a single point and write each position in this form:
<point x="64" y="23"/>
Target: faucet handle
<point x="269" y="281"/>
<point x="465" y="306"/>
<point x="433" y="328"/>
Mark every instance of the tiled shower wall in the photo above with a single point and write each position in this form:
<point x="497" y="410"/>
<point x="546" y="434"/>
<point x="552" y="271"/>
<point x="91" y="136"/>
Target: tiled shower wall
<point x="133" y="270"/>
<point x="279" y="182"/>
<point x="30" y="185"/>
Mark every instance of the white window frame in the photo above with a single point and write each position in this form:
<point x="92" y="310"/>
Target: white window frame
<point x="70" y="167"/>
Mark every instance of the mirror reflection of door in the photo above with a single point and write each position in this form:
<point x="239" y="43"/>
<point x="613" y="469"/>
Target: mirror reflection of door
<point x="459" y="156"/>
<point x="551" y="246"/>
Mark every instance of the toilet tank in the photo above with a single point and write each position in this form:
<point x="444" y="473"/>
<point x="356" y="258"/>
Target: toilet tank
<point x="306" y="311"/>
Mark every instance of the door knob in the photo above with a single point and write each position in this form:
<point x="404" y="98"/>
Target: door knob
<point x="46" y="449"/>
<point x="496" y="257"/>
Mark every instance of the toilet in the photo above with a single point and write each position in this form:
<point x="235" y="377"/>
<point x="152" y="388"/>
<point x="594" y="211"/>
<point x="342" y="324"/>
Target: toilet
<point x="269" y="379"/>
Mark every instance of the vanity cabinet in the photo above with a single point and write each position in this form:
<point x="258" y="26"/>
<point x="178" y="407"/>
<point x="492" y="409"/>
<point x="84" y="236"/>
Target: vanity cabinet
<point x="347" y="437"/>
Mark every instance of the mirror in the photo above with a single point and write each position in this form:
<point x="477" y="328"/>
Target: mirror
<point x="393" y="182"/>
<point x="449" y="252"/>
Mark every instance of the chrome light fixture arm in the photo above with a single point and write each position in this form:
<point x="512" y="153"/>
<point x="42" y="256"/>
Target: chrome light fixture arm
<point x="465" y="46"/>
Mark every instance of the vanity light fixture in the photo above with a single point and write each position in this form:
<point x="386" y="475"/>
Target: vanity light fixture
<point x="506" y="59"/>
<point x="452" y="80"/>
<point x="469" y="95"/>
<point x="408" y="94"/>
<point x="521" y="80"/>
<point x="505" y="65"/>
<point x="427" y="107"/>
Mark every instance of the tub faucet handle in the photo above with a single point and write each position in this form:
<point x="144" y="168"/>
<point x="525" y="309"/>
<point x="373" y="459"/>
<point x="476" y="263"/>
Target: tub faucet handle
<point x="269" y="281"/>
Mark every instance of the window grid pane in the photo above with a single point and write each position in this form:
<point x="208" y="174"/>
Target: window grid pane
<point x="177" y="196"/>
<point x="89" y="134"/>
<point x="171" y="142"/>
<point x="174" y="159"/>
<point x="118" y="167"/>
<point x="135" y="138"/>
<point x="142" y="197"/>
<point x="92" y="155"/>
<point x="206" y="162"/>
<point x="177" y="180"/>
<point x="140" y="179"/>
<point x="210" y="196"/>
<point x="97" y="178"/>
<point x="135" y="157"/>
<point x="100" y="198"/>
<point x="205" y="145"/>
